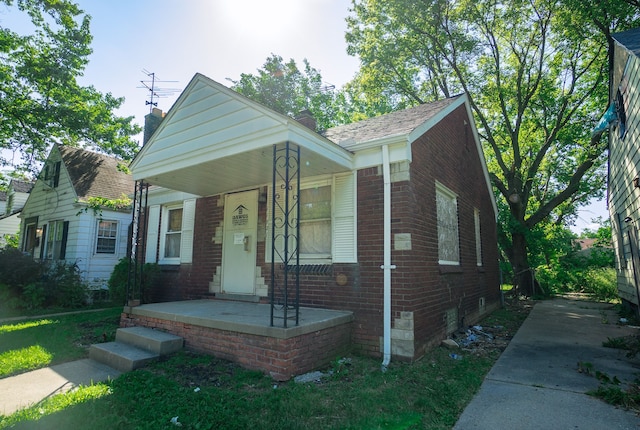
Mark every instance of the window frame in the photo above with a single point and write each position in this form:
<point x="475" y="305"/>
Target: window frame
<point x="114" y="238"/>
<point x="164" y="226"/>
<point x="451" y="226"/>
<point x="478" y="236"/>
<point x="56" y="228"/>
<point x="308" y="258"/>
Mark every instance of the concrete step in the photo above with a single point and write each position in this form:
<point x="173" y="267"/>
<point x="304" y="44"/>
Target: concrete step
<point x="121" y="356"/>
<point x="155" y="341"/>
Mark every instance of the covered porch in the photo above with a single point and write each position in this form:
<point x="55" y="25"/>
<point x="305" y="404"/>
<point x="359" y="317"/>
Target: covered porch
<point x="240" y="332"/>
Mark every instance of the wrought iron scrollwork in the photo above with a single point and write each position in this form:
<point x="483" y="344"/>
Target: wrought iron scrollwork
<point x="285" y="231"/>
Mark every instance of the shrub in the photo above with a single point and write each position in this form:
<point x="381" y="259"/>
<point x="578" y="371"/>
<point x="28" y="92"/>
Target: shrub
<point x="120" y="277"/>
<point x="31" y="284"/>
<point x="63" y="285"/>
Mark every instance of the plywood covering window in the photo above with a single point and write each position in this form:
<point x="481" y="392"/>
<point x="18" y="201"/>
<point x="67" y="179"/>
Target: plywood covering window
<point x="447" y="217"/>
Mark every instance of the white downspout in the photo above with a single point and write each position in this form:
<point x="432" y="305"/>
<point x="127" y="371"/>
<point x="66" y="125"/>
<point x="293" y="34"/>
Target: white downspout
<point x="386" y="266"/>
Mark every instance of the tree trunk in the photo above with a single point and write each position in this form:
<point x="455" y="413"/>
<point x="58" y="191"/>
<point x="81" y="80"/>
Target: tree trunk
<point x="520" y="263"/>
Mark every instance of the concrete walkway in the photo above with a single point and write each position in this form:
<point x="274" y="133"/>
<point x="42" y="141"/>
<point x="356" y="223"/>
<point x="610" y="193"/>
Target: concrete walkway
<point x="20" y="391"/>
<point x="535" y="384"/>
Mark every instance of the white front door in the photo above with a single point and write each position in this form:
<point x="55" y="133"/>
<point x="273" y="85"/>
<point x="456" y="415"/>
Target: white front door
<point x="239" y="242"/>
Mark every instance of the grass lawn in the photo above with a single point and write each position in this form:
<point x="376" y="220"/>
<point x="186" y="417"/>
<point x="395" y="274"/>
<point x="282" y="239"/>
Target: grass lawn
<point x="204" y="392"/>
<point x="35" y="343"/>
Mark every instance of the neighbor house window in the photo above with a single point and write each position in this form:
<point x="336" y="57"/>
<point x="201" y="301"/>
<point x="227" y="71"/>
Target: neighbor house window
<point x="107" y="234"/>
<point x="476" y="224"/>
<point x="56" y="243"/>
<point x="30" y="235"/>
<point x="315" y="222"/>
<point x="447" y="218"/>
<point x="172" y="232"/>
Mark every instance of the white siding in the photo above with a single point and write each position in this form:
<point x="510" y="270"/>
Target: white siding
<point x="624" y="198"/>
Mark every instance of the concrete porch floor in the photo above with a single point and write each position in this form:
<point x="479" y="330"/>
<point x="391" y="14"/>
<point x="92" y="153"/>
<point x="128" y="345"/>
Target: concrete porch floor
<point x="242" y="317"/>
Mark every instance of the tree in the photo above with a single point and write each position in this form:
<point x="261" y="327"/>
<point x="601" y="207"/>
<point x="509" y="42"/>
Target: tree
<point x="288" y="90"/>
<point x="536" y="75"/>
<point x="41" y="102"/>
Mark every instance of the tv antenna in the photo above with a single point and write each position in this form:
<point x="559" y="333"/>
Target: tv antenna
<point x="155" y="92"/>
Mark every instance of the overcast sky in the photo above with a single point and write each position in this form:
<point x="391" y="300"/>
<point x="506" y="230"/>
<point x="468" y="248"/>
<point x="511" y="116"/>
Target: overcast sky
<point x="218" y="38"/>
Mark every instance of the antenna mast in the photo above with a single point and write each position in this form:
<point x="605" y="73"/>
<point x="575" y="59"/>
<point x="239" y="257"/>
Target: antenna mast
<point x="155" y="92"/>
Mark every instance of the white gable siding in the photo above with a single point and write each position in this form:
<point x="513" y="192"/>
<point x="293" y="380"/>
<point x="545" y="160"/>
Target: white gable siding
<point x="624" y="167"/>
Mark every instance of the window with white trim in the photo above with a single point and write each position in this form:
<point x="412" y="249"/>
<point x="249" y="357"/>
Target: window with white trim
<point x="107" y="237"/>
<point x="447" y="218"/>
<point x="476" y="225"/>
<point x="315" y="222"/>
<point x="56" y="243"/>
<point x="171" y="232"/>
<point x="328" y="221"/>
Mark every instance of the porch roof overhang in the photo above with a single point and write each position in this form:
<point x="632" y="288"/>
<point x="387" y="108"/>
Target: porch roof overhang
<point x="214" y="140"/>
<point x="243" y="163"/>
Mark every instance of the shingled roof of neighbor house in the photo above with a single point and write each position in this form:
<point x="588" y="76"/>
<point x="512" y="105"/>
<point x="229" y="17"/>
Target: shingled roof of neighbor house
<point x="630" y="39"/>
<point x="385" y="126"/>
<point x="20" y="186"/>
<point x="95" y="175"/>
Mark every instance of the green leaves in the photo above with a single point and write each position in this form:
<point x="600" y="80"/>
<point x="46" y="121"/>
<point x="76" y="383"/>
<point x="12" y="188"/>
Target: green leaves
<point x="283" y="87"/>
<point x="536" y="75"/>
<point x="41" y="102"/>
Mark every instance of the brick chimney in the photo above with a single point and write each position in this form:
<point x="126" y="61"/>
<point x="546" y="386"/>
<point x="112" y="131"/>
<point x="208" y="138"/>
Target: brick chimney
<point x="306" y="118"/>
<point x="151" y="123"/>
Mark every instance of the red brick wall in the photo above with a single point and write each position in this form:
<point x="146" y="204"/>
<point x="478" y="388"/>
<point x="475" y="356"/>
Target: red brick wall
<point x="280" y="358"/>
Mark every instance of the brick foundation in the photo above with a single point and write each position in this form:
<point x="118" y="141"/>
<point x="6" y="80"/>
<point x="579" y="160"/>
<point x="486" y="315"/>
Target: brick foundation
<point x="279" y="357"/>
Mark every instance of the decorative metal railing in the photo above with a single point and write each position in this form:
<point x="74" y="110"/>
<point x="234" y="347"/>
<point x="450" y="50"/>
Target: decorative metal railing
<point x="285" y="231"/>
<point x="137" y="245"/>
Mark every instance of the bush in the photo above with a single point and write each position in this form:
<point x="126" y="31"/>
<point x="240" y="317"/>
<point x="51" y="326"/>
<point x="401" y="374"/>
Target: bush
<point x="31" y="284"/>
<point x="63" y="285"/>
<point x="120" y="277"/>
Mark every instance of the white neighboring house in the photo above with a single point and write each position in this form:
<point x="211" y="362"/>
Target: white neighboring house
<point x="11" y="204"/>
<point x="623" y="122"/>
<point x="57" y="223"/>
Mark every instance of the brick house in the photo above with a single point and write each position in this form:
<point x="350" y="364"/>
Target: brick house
<point x="392" y="218"/>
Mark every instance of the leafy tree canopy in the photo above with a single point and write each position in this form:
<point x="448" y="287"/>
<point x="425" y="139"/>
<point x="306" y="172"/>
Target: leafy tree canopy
<point x="283" y="87"/>
<point x="536" y="75"/>
<point x="41" y="102"/>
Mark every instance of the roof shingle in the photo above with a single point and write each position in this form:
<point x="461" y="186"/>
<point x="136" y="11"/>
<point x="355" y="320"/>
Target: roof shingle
<point x="95" y="175"/>
<point x="392" y="124"/>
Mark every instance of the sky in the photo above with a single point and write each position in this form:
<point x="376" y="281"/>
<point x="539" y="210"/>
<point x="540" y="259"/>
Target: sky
<point x="220" y="39"/>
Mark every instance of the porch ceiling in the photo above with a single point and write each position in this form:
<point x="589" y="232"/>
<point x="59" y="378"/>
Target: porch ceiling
<point x="240" y="170"/>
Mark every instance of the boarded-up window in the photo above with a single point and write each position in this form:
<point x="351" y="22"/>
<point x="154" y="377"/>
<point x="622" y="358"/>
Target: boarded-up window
<point x="447" y="216"/>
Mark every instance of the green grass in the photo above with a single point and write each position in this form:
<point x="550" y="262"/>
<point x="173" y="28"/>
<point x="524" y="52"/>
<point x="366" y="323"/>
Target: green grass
<point x="32" y="344"/>
<point x="208" y="393"/>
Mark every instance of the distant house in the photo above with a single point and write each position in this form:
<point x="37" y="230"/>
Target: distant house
<point x="624" y="160"/>
<point x="58" y="224"/>
<point x="395" y="212"/>
<point x="11" y="204"/>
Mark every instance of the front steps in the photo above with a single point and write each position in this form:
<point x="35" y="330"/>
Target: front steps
<point x="135" y="347"/>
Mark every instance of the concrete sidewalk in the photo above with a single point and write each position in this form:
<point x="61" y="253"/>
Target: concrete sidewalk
<point x="535" y="384"/>
<point x="20" y="391"/>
